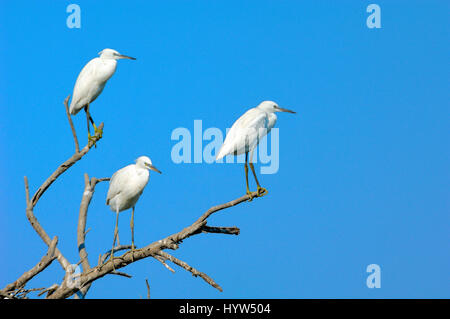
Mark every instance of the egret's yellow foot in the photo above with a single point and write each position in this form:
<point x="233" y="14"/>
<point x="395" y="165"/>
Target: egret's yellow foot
<point x="92" y="139"/>
<point x="97" y="131"/>
<point x="261" y="191"/>
<point x="250" y="195"/>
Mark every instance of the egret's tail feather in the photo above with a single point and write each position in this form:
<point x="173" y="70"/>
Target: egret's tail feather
<point x="74" y="107"/>
<point x="222" y="152"/>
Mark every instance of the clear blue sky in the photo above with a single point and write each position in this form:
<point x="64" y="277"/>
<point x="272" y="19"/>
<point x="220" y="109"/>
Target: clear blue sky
<point x="364" y="165"/>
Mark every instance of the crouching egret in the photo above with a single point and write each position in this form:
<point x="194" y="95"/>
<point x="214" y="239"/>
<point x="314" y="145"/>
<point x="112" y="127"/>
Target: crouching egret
<point x="245" y="134"/>
<point x="92" y="80"/>
<point x="125" y="188"/>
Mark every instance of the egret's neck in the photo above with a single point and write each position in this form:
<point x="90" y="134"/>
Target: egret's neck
<point x="267" y="110"/>
<point x="140" y="166"/>
<point x="108" y="60"/>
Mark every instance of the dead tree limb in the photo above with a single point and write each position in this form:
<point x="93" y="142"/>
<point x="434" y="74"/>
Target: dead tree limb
<point x="148" y="288"/>
<point x="81" y="229"/>
<point x="31" y="203"/>
<point x="45" y="261"/>
<point x="220" y="230"/>
<point x="151" y="250"/>
<point x="83" y="280"/>
<point x="192" y="270"/>
<point x="74" y="133"/>
<point x="49" y="181"/>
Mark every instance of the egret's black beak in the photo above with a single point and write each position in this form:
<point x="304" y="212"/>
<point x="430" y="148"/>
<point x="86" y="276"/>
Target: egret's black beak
<point x="126" y="57"/>
<point x="153" y="168"/>
<point x="285" y="110"/>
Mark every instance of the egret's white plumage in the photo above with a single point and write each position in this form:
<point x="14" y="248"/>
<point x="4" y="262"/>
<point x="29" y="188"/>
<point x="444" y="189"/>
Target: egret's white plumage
<point x="93" y="77"/>
<point x="246" y="133"/>
<point x="127" y="185"/>
<point x="125" y="188"/>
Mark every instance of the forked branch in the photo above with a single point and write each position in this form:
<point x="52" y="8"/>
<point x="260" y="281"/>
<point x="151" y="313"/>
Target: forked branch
<point x="105" y="267"/>
<point x="154" y="249"/>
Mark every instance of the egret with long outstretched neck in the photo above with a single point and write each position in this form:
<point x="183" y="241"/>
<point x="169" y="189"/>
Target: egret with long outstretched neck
<point x="92" y="80"/>
<point x="125" y="188"/>
<point x="246" y="133"/>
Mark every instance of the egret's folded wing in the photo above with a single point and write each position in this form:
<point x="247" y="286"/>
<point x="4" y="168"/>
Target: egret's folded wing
<point x="245" y="133"/>
<point x="85" y="81"/>
<point x="117" y="182"/>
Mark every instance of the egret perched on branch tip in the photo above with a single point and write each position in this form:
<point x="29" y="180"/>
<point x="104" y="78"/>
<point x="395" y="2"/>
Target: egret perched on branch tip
<point x="246" y="133"/>
<point x="92" y="80"/>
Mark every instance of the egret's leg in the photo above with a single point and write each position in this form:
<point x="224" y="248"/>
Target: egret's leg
<point x="261" y="191"/>
<point x="86" y="109"/>
<point x="89" y="118"/>
<point x="249" y="193"/>
<point x="96" y="129"/>
<point x="92" y="122"/>
<point x="132" y="233"/>
<point x="116" y="233"/>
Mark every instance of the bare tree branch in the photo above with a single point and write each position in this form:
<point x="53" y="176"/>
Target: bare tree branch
<point x="6" y="295"/>
<point x="22" y="293"/>
<point x="81" y="229"/>
<point x="192" y="270"/>
<point x="148" y="288"/>
<point x="45" y="261"/>
<point x="83" y="280"/>
<point x="121" y="274"/>
<point x="49" y="290"/>
<point x="41" y="232"/>
<point x="170" y="242"/>
<point x="162" y="260"/>
<point x="66" y="165"/>
<point x="30" y="204"/>
<point x="221" y="230"/>
<point x="60" y="170"/>
<point x="108" y="253"/>
<point x="74" y="133"/>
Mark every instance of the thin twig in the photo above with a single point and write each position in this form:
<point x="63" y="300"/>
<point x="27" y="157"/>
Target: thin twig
<point x="22" y="293"/>
<point x="27" y="191"/>
<point x="162" y="260"/>
<point x="48" y="290"/>
<point x="121" y="274"/>
<point x="108" y="253"/>
<point x="74" y="133"/>
<point x="221" y="230"/>
<point x="192" y="270"/>
<point x="148" y="288"/>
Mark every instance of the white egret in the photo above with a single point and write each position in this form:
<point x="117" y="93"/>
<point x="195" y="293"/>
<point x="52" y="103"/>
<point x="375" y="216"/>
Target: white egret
<point x="246" y="132"/>
<point x="125" y="188"/>
<point x="92" y="80"/>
